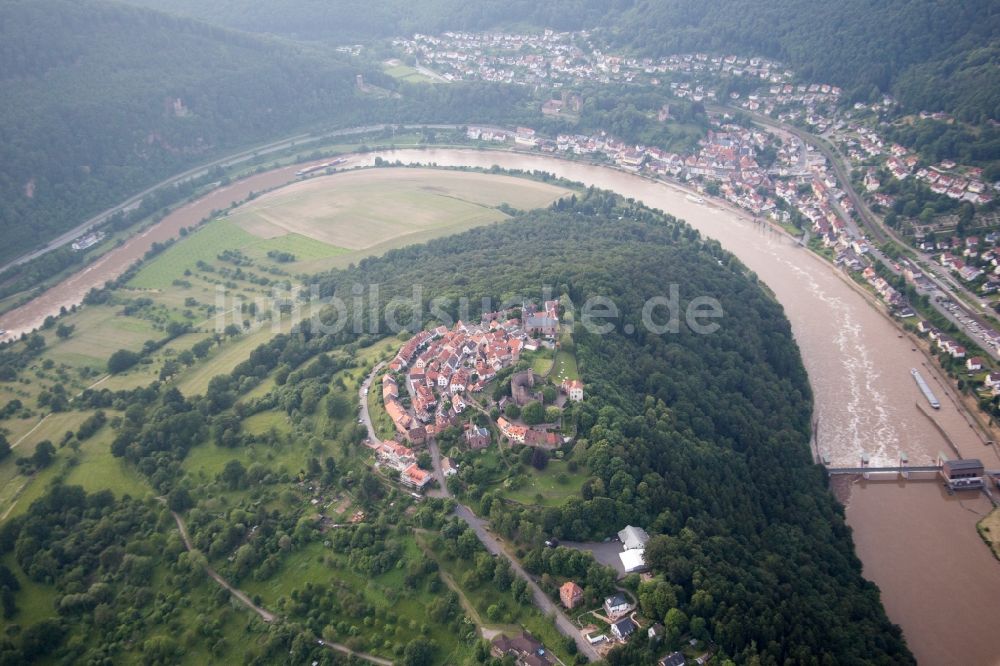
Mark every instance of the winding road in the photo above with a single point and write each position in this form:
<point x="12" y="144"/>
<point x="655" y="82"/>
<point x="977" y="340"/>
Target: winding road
<point x="490" y="541"/>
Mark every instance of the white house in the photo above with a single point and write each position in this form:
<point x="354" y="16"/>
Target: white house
<point x="616" y="605"/>
<point x="574" y="389"/>
<point x="623" y="628"/>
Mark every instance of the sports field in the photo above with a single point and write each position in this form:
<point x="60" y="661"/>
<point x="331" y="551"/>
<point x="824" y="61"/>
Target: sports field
<point x="376" y="209"/>
<point x="398" y="70"/>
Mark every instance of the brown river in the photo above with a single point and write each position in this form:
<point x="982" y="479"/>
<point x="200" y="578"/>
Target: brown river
<point x="939" y="582"/>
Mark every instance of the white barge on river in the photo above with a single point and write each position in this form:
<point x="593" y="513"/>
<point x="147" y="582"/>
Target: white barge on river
<point x="925" y="389"/>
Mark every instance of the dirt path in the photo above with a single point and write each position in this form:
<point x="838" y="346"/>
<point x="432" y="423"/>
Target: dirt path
<point x="489" y="632"/>
<point x="265" y="614"/>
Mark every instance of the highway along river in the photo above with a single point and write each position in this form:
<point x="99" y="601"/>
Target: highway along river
<point x="938" y="580"/>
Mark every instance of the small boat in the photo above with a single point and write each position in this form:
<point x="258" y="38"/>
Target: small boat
<point x="693" y="198"/>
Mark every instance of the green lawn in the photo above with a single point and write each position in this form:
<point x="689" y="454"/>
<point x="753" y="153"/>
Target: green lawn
<point x="565" y="367"/>
<point x="207" y="460"/>
<point x="383" y="425"/>
<point x="265" y="421"/>
<point x="546" y="483"/>
<point x="541" y="362"/>
<point x="35" y="602"/>
<point x="210" y="240"/>
<point x="99" y="470"/>
<point x="407" y="73"/>
<point x="222" y="360"/>
<point x="100" y="331"/>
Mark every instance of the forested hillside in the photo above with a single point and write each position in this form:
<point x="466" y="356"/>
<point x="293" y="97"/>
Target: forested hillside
<point x="101" y="100"/>
<point x="702" y="438"/>
<point x="934" y="55"/>
<point x="352" y="21"/>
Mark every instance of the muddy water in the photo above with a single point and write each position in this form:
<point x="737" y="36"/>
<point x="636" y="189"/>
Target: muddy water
<point x="938" y="580"/>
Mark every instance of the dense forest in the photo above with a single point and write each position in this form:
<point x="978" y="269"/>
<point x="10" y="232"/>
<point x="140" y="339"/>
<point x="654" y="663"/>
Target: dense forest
<point x="353" y="21"/>
<point x="702" y="438"/>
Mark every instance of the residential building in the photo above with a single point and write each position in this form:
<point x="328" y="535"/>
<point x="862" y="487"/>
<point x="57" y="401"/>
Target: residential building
<point x="574" y="389"/>
<point x="570" y="594"/>
<point x="414" y="477"/>
<point x="616" y="605"/>
<point x="623" y="628"/>
<point x="526" y="650"/>
<point x="673" y="659"/>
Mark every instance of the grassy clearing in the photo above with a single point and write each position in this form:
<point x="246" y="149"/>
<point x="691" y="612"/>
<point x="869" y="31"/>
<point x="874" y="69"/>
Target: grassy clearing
<point x="204" y="244"/>
<point x="210" y="240"/>
<point x="565" y="367"/>
<point x="35" y="602"/>
<point x="541" y="362"/>
<point x="93" y="467"/>
<point x="550" y="487"/>
<point x="222" y="360"/>
<point x="100" y="331"/>
<point x="363" y="210"/>
<point x="319" y="565"/>
<point x="99" y="470"/>
<point x="398" y="70"/>
<point x="207" y="460"/>
<point x="383" y="425"/>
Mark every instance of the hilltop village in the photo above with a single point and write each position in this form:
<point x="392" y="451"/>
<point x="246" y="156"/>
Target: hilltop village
<point x="440" y="374"/>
